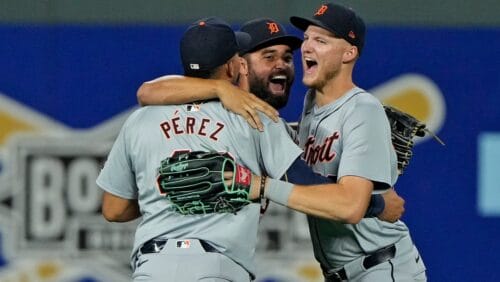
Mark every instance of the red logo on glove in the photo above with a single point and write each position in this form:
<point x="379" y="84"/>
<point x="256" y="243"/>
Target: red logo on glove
<point x="243" y="175"/>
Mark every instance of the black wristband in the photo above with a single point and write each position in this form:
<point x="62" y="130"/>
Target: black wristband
<point x="376" y="207"/>
<point x="264" y="203"/>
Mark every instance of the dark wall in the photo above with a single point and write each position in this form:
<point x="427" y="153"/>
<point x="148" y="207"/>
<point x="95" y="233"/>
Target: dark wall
<point x="384" y="12"/>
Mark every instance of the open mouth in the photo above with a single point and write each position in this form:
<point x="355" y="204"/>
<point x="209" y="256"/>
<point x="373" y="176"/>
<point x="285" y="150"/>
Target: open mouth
<point x="277" y="84"/>
<point x="309" y="64"/>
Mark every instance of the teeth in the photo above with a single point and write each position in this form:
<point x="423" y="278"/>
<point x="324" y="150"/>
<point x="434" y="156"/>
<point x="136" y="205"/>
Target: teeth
<point x="279" y="77"/>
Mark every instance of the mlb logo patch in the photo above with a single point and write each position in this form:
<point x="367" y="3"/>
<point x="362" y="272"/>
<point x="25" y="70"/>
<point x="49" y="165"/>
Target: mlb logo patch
<point x="184" y="244"/>
<point x="193" y="108"/>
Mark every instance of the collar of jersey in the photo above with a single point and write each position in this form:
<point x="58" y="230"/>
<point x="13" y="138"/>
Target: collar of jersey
<point x="335" y="105"/>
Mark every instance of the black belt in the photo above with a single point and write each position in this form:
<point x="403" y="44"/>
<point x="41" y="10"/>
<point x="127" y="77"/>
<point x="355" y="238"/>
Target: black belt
<point x="155" y="246"/>
<point x="369" y="261"/>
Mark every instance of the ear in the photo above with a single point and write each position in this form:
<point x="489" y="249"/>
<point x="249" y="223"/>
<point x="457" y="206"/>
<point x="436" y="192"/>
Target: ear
<point x="350" y="54"/>
<point x="243" y="66"/>
<point x="232" y="67"/>
<point x="243" y="82"/>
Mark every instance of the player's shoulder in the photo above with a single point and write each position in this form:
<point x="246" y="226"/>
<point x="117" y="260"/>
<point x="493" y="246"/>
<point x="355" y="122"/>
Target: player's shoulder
<point x="267" y="120"/>
<point x="143" y="115"/>
<point x="364" y="105"/>
<point x="279" y="127"/>
<point x="240" y="119"/>
<point x="135" y="115"/>
<point x="365" y="100"/>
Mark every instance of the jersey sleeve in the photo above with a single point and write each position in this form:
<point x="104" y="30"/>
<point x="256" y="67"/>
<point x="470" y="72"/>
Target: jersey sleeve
<point x="367" y="144"/>
<point x="278" y="150"/>
<point x="117" y="176"/>
<point x="291" y="131"/>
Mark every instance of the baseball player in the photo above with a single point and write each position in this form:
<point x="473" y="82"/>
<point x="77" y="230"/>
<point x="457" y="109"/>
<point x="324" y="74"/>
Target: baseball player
<point x="173" y="247"/>
<point x="270" y="75"/>
<point x="216" y="246"/>
<point x="352" y="123"/>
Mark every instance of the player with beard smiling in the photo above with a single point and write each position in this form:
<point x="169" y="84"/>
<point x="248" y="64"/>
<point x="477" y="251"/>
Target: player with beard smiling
<point x="271" y="73"/>
<point x="270" y="61"/>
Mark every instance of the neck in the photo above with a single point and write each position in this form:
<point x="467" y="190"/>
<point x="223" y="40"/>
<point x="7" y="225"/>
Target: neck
<point x="333" y="90"/>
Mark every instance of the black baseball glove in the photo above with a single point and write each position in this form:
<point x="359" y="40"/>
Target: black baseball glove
<point x="404" y="127"/>
<point x="194" y="183"/>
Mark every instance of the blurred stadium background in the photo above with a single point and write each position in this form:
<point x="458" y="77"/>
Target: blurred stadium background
<point x="68" y="75"/>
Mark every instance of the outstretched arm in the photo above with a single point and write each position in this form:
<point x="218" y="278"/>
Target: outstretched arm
<point x="345" y="201"/>
<point x="387" y="206"/>
<point x="174" y="89"/>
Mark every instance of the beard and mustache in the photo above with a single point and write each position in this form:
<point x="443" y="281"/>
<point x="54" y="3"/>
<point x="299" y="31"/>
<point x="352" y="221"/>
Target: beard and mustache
<point x="261" y="88"/>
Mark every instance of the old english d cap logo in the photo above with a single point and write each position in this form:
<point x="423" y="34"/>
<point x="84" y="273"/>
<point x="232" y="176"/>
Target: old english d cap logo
<point x="341" y="21"/>
<point x="266" y="32"/>
<point x="321" y="10"/>
<point x="273" y="27"/>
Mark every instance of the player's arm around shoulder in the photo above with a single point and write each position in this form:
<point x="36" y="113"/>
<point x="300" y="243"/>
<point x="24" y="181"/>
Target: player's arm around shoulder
<point x="176" y="89"/>
<point x="346" y="201"/>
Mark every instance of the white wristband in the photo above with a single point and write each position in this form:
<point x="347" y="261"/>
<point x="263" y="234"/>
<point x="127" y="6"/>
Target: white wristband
<point x="278" y="191"/>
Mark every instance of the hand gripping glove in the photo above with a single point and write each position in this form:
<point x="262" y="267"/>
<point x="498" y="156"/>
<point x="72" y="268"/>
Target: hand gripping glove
<point x="194" y="183"/>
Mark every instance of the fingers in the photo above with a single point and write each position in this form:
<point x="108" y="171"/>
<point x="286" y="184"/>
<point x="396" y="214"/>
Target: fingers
<point x="265" y="108"/>
<point x="394" y="206"/>
<point x="250" y="120"/>
<point x="253" y="105"/>
<point x="255" y="122"/>
<point x="228" y="178"/>
<point x="247" y="105"/>
<point x="228" y="175"/>
<point x="252" y="117"/>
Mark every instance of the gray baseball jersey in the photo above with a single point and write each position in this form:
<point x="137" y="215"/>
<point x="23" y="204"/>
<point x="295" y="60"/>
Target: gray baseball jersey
<point x="153" y="133"/>
<point x="350" y="136"/>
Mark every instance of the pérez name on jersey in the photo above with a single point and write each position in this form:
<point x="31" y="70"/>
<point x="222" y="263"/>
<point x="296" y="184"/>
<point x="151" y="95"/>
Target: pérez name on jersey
<point x="191" y="125"/>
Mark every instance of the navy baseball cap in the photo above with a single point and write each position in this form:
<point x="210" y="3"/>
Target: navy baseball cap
<point x="343" y="22"/>
<point x="265" y="32"/>
<point x="207" y="44"/>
